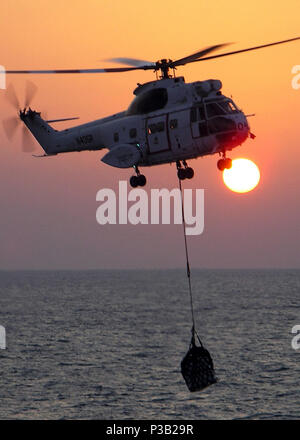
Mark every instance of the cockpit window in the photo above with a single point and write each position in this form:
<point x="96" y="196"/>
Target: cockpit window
<point x="148" y="102"/>
<point x="220" y="108"/>
<point x="214" y="109"/>
<point x="228" y="106"/>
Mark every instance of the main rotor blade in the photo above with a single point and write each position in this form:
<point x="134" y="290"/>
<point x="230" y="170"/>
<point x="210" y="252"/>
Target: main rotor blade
<point x="27" y="141"/>
<point x="31" y="90"/>
<point x="11" y="96"/>
<point x="10" y="126"/>
<point x="132" y="62"/>
<point x="197" y="55"/>
<point x="62" y="71"/>
<point x="245" y="50"/>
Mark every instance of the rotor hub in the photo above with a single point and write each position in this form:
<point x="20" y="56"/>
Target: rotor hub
<point x="164" y="66"/>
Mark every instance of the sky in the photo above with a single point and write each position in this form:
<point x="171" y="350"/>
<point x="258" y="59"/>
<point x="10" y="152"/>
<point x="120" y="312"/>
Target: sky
<point x="48" y="205"/>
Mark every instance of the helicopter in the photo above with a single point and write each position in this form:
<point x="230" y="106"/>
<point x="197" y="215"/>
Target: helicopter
<point x="168" y="121"/>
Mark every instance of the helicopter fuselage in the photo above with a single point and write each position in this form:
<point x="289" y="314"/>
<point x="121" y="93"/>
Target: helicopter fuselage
<point x="167" y="121"/>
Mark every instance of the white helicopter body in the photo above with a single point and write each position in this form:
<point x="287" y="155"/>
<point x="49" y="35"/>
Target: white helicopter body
<point x="168" y="121"/>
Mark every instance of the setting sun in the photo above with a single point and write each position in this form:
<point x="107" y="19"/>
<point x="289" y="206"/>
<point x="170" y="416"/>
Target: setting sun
<point x="242" y="177"/>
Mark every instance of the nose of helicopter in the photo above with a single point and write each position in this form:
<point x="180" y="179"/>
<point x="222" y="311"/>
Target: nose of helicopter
<point x="237" y="135"/>
<point x="242" y="127"/>
<point x="242" y="131"/>
<point x="246" y="127"/>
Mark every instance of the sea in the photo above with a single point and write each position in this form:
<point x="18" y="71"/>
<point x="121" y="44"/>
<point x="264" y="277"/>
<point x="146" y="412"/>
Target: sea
<point x="108" y="344"/>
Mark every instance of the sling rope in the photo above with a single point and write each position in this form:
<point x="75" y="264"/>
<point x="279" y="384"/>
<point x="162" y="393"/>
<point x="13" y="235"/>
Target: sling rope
<point x="197" y="366"/>
<point x="188" y="270"/>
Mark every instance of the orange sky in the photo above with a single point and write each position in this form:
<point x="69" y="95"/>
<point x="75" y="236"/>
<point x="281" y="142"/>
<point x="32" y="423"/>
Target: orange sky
<point x="48" y="205"/>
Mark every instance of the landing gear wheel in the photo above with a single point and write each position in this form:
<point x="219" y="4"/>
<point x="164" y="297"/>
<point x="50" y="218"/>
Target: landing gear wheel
<point x="134" y="182"/>
<point x="184" y="172"/>
<point x="228" y="163"/>
<point x="181" y="173"/>
<point x="221" y="164"/>
<point x="189" y="173"/>
<point x="141" y="180"/>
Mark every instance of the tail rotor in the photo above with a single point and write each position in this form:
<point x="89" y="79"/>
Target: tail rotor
<point x="11" y="124"/>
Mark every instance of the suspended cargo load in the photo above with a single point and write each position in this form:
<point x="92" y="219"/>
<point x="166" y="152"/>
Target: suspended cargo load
<point x="197" y="367"/>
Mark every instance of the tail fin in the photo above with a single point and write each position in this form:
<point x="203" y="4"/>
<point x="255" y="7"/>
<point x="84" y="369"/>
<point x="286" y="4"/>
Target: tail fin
<point x="43" y="132"/>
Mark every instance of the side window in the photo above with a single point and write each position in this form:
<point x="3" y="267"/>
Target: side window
<point x="173" y="123"/>
<point x="201" y="113"/>
<point x="160" y="126"/>
<point x="155" y="128"/>
<point x="211" y="110"/>
<point x="151" y="128"/>
<point x="116" y="137"/>
<point x="193" y="114"/>
<point x="198" y="113"/>
<point x="132" y="132"/>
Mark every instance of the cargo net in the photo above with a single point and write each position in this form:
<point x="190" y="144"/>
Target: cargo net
<point x="197" y="366"/>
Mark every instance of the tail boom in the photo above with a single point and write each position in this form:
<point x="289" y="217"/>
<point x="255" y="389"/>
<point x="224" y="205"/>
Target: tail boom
<point x="45" y="135"/>
<point x="53" y="141"/>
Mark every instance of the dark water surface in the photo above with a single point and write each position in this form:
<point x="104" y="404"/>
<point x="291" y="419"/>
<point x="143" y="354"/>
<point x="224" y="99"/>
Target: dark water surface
<point x="108" y="344"/>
